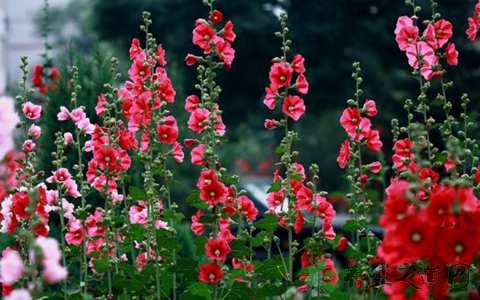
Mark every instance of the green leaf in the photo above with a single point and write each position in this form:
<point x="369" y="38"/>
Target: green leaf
<point x="101" y="265"/>
<point x="137" y="193"/>
<point x="194" y="200"/>
<point x="351" y="225"/>
<point x="199" y="289"/>
<point x="269" y="223"/>
<point x="275" y="187"/>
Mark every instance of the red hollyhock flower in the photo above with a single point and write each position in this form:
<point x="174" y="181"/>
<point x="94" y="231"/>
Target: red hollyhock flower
<point x="413" y="239"/>
<point x="350" y="120"/>
<point x="213" y="193"/>
<point x="210" y="273"/>
<point x="451" y="54"/>
<point x="217" y="249"/>
<point x="460" y="245"/>
<point x="198" y="120"/>
<point x="20" y="203"/>
<point x="270" y="124"/>
<point x="135" y="49"/>
<point x="203" y="34"/>
<point x="191" y="59"/>
<point x="293" y="106"/>
<point x="472" y="29"/>
<point x="396" y="206"/>
<point x="247" y="208"/>
<point x="167" y="130"/>
<point x="228" y="33"/>
<point x="438" y="34"/>
<point x="342" y="244"/>
<point x="298" y="64"/>
<point x="299" y="222"/>
<point x="216" y="17"/>
<point x="139" y="71"/>
<point x="302" y="84"/>
<point x="343" y="154"/>
<point x="280" y="75"/>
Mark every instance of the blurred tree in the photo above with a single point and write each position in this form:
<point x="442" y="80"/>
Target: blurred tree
<point x="330" y="33"/>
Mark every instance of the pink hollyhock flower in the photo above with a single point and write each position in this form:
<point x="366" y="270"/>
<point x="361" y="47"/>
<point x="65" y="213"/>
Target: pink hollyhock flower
<point x="225" y="52"/>
<point x="11" y="266"/>
<point x="59" y="176"/>
<point x="198" y="120"/>
<point x="68" y="209"/>
<point x="177" y="152"/>
<point x="85" y="126"/>
<point x="418" y="52"/>
<point x="138" y="214"/>
<point x="344" y="154"/>
<point x="228" y="33"/>
<point x="293" y="106"/>
<point x="64" y="114"/>
<point x="72" y="188"/>
<point x="472" y="29"/>
<point x="269" y="99"/>
<point x="78" y="114"/>
<point x="298" y="64"/>
<point x="216" y="17"/>
<point x="403" y="22"/>
<point x="191" y="103"/>
<point x="35" y="131"/>
<point x="31" y="111"/>
<point x="75" y="233"/>
<point x="407" y="36"/>
<point x="159" y="224"/>
<point x="135" y="49"/>
<point x="100" y="107"/>
<point x="270" y="124"/>
<point x="67" y="138"/>
<point x="167" y="130"/>
<point x="203" y="34"/>
<point x="197" y="227"/>
<point x="8" y="122"/>
<point x="28" y="146"/>
<point x="53" y="272"/>
<point x="191" y="59"/>
<point x="451" y="54"/>
<point x="280" y="75"/>
<point x="302" y="84"/>
<point x="370" y="108"/>
<point x="373" y="141"/>
<point x="375" y="167"/>
<point x="19" y="294"/>
<point x="198" y="155"/>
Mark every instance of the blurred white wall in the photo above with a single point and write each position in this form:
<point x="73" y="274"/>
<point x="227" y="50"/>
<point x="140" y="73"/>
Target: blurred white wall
<point x="18" y="36"/>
